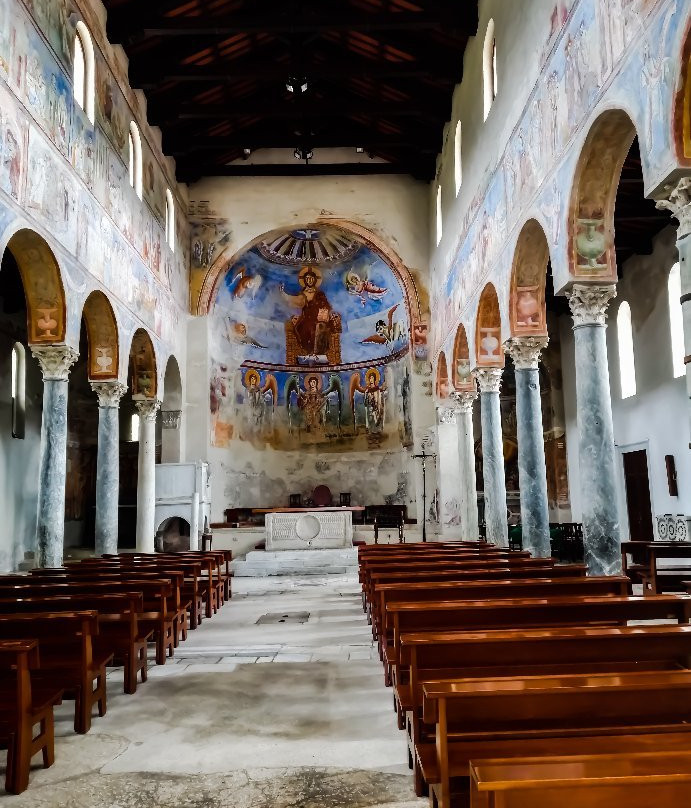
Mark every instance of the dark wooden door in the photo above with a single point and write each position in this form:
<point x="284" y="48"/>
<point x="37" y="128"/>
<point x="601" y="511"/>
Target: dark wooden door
<point x="638" y="495"/>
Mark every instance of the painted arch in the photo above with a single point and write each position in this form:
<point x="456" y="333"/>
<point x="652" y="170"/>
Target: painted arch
<point x="461" y="368"/>
<point x="592" y="253"/>
<point x="488" y="348"/>
<point x="45" y="294"/>
<point x="143" y="378"/>
<point x="442" y="386"/>
<point x="528" y="275"/>
<point x="682" y="105"/>
<point x="102" y="334"/>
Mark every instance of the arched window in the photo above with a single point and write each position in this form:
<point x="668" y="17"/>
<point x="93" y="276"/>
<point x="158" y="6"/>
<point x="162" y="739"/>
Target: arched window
<point x="18" y="390"/>
<point x="134" y="427"/>
<point x="489" y="68"/>
<point x="135" y="159"/>
<point x="84" y="73"/>
<point x="438" y="215"/>
<point x="627" y="365"/>
<point x="458" y="165"/>
<point x="676" y="321"/>
<point x="170" y="219"/>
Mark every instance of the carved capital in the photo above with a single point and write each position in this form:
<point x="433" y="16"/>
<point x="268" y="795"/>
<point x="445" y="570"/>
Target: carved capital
<point x="147" y="408"/>
<point x="465" y="400"/>
<point x="55" y="361"/>
<point x="109" y="393"/>
<point x="447" y="415"/>
<point x="678" y="203"/>
<point x="525" y="351"/>
<point x="489" y="379"/>
<point x="170" y="419"/>
<point x="589" y="303"/>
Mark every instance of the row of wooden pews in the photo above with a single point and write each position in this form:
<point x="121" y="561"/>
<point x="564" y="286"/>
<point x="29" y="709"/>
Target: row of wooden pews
<point x="521" y="683"/>
<point x="61" y="628"/>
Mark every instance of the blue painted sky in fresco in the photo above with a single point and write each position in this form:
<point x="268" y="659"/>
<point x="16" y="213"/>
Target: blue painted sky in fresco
<point x="264" y="311"/>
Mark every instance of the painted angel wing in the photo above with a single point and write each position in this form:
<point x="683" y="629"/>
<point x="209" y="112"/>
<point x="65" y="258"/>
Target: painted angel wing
<point x="271" y="385"/>
<point x="391" y="313"/>
<point x="376" y="338"/>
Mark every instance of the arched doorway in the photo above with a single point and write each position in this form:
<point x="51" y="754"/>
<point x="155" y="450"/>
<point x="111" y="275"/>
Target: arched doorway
<point x="171" y="414"/>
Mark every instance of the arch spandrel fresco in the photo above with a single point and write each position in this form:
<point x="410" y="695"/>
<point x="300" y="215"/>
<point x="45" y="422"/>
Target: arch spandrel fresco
<point x="310" y="340"/>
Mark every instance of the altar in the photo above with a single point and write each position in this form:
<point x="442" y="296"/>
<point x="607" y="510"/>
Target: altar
<point x="328" y="528"/>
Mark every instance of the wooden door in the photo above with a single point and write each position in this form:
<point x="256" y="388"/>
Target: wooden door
<point x="638" y="495"/>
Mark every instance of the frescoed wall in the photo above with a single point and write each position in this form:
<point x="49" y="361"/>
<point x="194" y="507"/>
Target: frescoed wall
<point x="310" y="347"/>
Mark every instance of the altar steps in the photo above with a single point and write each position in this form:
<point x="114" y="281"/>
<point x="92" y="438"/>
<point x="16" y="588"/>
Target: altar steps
<point x="261" y="563"/>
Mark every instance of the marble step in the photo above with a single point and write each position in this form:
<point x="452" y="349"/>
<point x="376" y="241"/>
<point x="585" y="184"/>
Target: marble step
<point x="260" y="563"/>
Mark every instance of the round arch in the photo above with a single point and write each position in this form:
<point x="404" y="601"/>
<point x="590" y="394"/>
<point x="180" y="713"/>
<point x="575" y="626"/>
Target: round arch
<point x="488" y="347"/>
<point x="217" y="271"/>
<point x="46" y="305"/>
<point x="591" y="211"/>
<point x="460" y="369"/>
<point x="528" y="275"/>
<point x="172" y="385"/>
<point x="442" y="383"/>
<point x="103" y="339"/>
<point x="143" y="379"/>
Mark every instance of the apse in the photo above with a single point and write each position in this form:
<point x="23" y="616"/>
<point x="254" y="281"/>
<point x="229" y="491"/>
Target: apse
<point x="310" y="346"/>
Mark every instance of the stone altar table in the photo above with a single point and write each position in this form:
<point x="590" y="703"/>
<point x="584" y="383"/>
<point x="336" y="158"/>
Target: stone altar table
<point x="309" y="529"/>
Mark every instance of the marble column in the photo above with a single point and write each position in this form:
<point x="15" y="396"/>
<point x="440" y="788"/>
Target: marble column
<point x="532" y="473"/>
<point x="108" y="465"/>
<point x="679" y="205"/>
<point x="497" y="529"/>
<point x="596" y="451"/>
<point x="146" y="480"/>
<point x="55" y="362"/>
<point x="466" y="450"/>
<point x="448" y="471"/>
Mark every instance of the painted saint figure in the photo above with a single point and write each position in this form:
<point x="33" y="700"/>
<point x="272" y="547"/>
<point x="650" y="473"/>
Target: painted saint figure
<point x="374" y="399"/>
<point x="313" y="336"/>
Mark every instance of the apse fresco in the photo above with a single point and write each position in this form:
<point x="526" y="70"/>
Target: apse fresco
<point x="310" y="346"/>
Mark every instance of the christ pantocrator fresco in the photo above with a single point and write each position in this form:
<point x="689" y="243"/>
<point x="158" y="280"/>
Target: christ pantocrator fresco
<point x="313" y="336"/>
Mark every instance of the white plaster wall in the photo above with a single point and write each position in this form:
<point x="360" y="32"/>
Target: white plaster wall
<point x="656" y="418"/>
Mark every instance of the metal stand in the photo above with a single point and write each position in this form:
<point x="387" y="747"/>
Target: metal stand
<point x="424" y="456"/>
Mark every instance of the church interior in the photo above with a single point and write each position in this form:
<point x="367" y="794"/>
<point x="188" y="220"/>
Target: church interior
<point x="345" y="403"/>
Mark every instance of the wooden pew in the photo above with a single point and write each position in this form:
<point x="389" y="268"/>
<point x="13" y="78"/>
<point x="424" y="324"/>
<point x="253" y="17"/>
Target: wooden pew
<point x="23" y="707"/>
<point x="433" y="613"/>
<point x="68" y="659"/>
<point x="157" y="617"/>
<point x="430" y="656"/>
<point x="639" y="562"/>
<point x="582" y="781"/>
<point x="384" y="585"/>
<point x="118" y="625"/>
<point x="482" y="718"/>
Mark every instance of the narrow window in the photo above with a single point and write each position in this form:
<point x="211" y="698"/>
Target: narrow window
<point x="18" y="390"/>
<point x="134" y="428"/>
<point x="627" y="365"/>
<point x="458" y="165"/>
<point x="438" y="214"/>
<point x="135" y="155"/>
<point x="676" y="321"/>
<point x="170" y="219"/>
<point x="84" y="74"/>
<point x="489" y="68"/>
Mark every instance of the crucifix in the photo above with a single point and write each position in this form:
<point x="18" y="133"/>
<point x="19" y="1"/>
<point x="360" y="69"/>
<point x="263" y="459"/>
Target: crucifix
<point x="424" y="456"/>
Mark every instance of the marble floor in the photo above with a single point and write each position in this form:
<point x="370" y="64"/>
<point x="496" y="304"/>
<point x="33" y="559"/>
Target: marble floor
<point x="271" y="715"/>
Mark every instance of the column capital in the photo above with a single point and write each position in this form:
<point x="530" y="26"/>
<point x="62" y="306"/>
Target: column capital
<point x="109" y="393"/>
<point x="489" y="379"/>
<point x="464" y="400"/>
<point x="525" y="351"/>
<point x="447" y="414"/>
<point x="147" y="408"/>
<point x="589" y="303"/>
<point x="678" y="203"/>
<point x="55" y="361"/>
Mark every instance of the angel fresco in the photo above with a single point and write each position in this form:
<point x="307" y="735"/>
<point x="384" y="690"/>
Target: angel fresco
<point x="243" y="284"/>
<point x="256" y="395"/>
<point x="363" y="288"/>
<point x="387" y="332"/>
<point x="313" y="401"/>
<point x="374" y="399"/>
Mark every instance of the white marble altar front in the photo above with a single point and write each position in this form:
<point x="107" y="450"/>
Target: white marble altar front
<point x="324" y="529"/>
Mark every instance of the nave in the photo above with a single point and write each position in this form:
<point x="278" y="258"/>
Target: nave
<point x="244" y="714"/>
